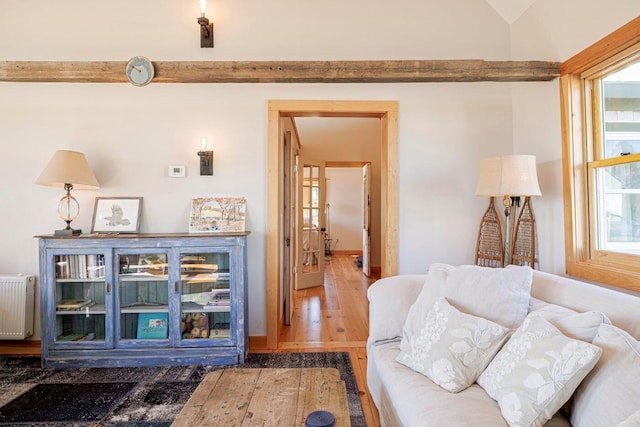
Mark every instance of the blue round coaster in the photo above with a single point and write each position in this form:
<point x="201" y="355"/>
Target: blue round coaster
<point x="320" y="419"/>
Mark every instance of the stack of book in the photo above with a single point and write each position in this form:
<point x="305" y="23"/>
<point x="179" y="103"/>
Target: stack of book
<point x="219" y="298"/>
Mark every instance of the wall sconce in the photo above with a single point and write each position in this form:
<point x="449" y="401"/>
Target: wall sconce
<point x="206" y="158"/>
<point x="206" y="28"/>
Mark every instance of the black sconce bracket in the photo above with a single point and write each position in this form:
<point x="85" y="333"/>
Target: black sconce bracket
<point x="206" y="162"/>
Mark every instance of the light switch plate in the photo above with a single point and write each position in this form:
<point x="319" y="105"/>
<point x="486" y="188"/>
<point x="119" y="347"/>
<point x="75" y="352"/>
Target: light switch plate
<point x="177" y="171"/>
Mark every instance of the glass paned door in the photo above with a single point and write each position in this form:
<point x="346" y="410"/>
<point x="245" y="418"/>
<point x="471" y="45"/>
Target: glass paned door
<point x="206" y="297"/>
<point x="143" y="296"/>
<point x="310" y="223"/>
<point x="80" y="298"/>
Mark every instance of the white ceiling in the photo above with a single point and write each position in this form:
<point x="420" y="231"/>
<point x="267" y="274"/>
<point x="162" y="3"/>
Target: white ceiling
<point x="510" y="10"/>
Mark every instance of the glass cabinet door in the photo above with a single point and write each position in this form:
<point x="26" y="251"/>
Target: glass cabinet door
<point x="79" y="299"/>
<point x="143" y="297"/>
<point x="206" y="297"/>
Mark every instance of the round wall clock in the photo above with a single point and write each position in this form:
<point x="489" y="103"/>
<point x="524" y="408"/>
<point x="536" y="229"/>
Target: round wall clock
<point x="139" y="71"/>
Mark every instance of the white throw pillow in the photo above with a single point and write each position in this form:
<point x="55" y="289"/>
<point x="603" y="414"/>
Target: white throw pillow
<point x="450" y="347"/>
<point x="536" y="304"/>
<point x="610" y="393"/>
<point x="497" y="294"/>
<point x="581" y="326"/>
<point x="536" y="372"/>
<point x="632" y="421"/>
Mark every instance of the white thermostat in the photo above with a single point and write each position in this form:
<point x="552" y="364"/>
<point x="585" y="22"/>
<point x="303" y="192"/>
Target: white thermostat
<point x="177" y="171"/>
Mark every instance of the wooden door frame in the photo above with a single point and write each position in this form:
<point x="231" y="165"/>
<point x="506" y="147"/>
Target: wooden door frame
<point x="387" y="112"/>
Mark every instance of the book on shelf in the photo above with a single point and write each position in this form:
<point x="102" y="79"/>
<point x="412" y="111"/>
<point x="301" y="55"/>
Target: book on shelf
<point x="153" y="325"/>
<point x="219" y="333"/>
<point x="220" y="330"/>
<point x="76" y="337"/>
<point x="74" y="304"/>
<point x="220" y="303"/>
<point x="218" y="298"/>
<point x="80" y="267"/>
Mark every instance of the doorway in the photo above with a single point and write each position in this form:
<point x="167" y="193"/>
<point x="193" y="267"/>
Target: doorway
<point x="387" y="112"/>
<point x="349" y="201"/>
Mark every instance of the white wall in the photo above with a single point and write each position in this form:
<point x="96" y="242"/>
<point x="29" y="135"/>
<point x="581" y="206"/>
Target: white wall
<point x="555" y="31"/>
<point x="130" y="135"/>
<point x="344" y="196"/>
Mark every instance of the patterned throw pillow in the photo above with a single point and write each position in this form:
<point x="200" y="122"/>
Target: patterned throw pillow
<point x="450" y="347"/>
<point x="536" y="372"/>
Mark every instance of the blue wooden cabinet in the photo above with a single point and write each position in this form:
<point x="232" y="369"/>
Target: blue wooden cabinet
<point x="143" y="299"/>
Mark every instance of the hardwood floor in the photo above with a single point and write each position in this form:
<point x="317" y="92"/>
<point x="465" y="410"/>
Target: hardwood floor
<point x="335" y="317"/>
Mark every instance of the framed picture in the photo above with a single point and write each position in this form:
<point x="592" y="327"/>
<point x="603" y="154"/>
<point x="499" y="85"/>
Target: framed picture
<point x="217" y="214"/>
<point x="117" y="215"/>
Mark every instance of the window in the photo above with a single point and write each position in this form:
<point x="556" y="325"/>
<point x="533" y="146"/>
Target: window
<point x="600" y="91"/>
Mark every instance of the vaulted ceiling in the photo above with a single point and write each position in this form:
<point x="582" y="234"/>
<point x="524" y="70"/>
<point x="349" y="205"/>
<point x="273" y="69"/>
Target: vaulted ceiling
<point x="308" y="128"/>
<point x="510" y="10"/>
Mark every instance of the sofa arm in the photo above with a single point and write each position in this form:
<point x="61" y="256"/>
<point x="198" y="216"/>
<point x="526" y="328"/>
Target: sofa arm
<point x="389" y="302"/>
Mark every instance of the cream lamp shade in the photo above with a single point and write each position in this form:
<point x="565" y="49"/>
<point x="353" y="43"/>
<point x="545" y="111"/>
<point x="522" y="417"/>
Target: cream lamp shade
<point x="68" y="167"/>
<point x="513" y="175"/>
<point x="69" y="170"/>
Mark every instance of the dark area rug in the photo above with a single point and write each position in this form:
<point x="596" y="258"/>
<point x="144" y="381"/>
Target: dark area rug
<point x="147" y="396"/>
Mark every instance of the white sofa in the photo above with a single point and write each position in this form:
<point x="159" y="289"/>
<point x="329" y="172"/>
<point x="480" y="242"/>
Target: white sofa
<point x="407" y="398"/>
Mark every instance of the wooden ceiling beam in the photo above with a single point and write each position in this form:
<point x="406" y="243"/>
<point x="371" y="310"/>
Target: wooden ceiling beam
<point x="406" y="71"/>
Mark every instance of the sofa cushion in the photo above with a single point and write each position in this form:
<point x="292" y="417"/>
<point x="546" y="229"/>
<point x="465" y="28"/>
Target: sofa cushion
<point x="536" y="372"/>
<point x="386" y="320"/>
<point x="497" y="294"/>
<point x="415" y="400"/>
<point x="450" y="347"/>
<point x="609" y="394"/>
<point x="622" y="309"/>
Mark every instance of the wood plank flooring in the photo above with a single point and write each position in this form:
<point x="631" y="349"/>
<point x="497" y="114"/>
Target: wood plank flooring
<point x="335" y="317"/>
<point x="265" y="397"/>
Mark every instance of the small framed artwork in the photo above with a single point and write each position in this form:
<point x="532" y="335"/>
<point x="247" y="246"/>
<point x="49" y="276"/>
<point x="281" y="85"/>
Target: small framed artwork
<point x="217" y="214"/>
<point x="117" y="215"/>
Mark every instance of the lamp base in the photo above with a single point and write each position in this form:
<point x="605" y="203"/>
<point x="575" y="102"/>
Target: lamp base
<point x="67" y="232"/>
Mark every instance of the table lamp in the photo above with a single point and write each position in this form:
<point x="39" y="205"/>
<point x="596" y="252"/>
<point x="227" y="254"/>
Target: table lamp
<point x="68" y="169"/>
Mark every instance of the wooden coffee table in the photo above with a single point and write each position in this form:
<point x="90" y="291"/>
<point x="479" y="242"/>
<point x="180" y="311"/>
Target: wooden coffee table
<point x="265" y="397"/>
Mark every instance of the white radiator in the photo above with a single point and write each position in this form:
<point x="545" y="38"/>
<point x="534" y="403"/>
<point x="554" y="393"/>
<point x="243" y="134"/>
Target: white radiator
<point x="17" y="294"/>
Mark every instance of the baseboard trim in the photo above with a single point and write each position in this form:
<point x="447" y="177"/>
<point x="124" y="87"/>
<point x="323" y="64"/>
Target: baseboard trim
<point x="320" y="345"/>
<point x="257" y="343"/>
<point x="20" y="348"/>
<point x="346" y="252"/>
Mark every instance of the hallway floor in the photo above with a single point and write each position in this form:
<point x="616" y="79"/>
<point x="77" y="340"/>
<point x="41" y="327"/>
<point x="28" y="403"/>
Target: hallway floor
<point x="335" y="317"/>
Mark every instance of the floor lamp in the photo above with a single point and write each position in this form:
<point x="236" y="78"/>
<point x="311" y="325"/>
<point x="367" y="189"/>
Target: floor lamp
<point x="510" y="178"/>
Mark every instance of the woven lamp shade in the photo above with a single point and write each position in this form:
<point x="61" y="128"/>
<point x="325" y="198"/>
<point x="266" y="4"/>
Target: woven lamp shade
<point x="513" y="175"/>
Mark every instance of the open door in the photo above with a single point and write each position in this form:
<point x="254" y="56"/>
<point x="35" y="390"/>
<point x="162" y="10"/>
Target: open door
<point x="366" y="220"/>
<point x="288" y="249"/>
<point x="310" y="228"/>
